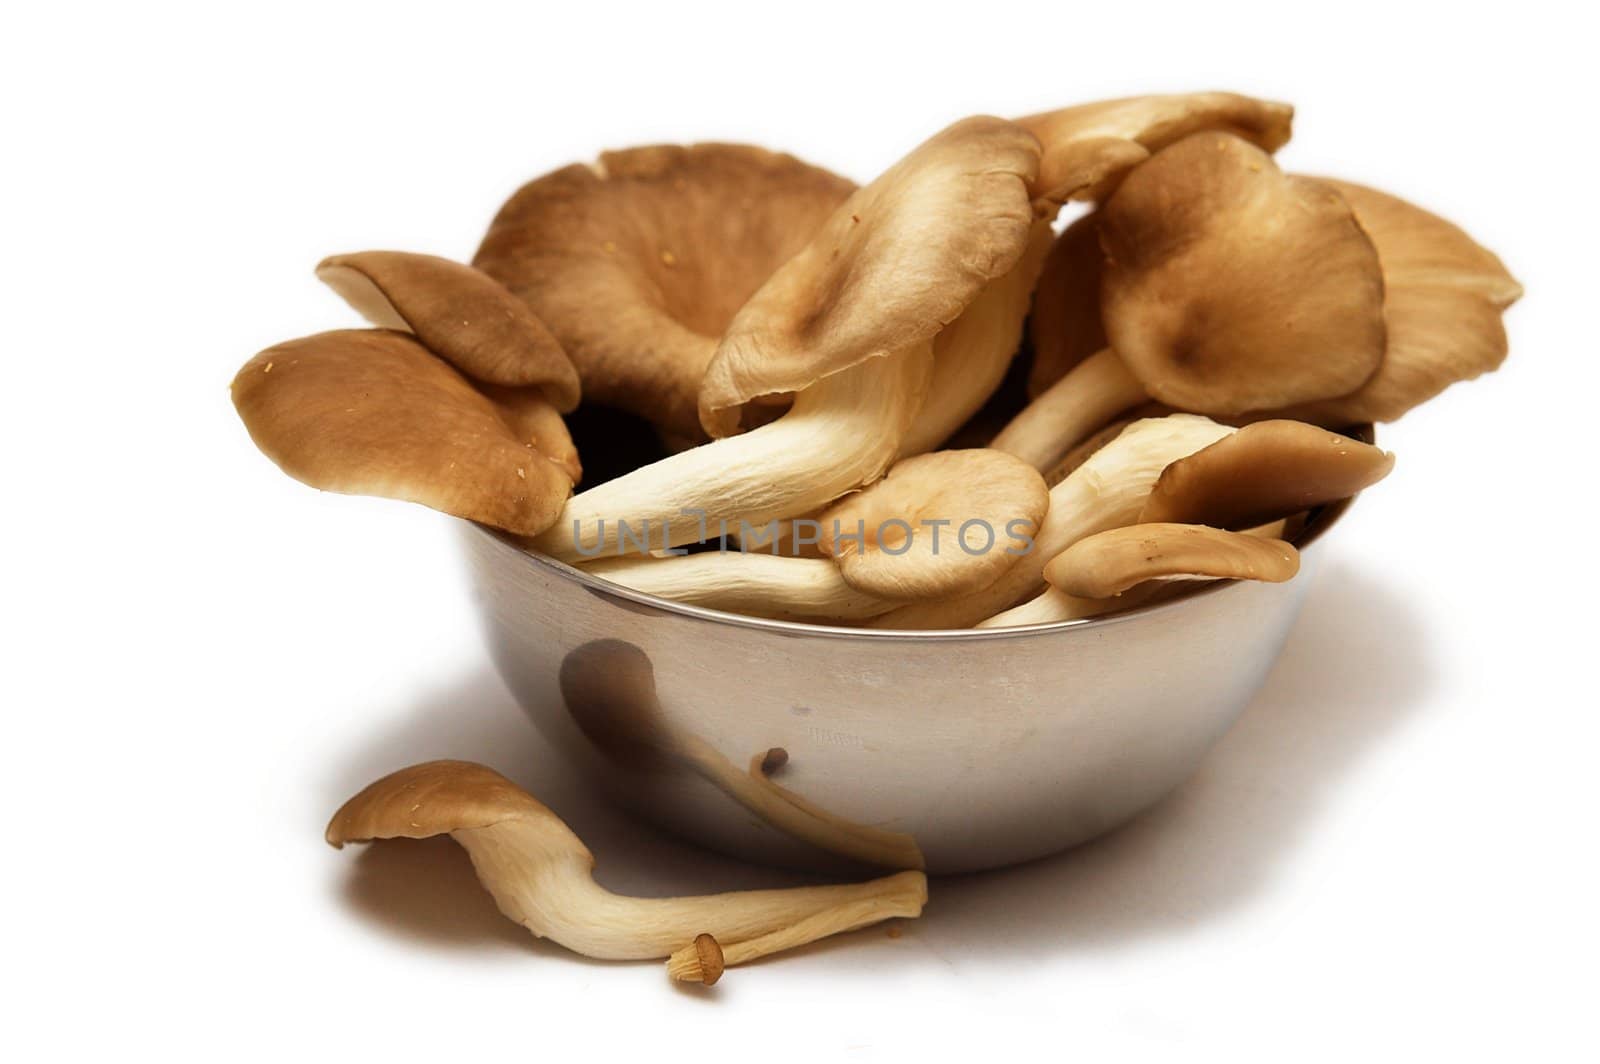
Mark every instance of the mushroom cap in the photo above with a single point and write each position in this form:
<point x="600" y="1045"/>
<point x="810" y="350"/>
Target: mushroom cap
<point x="1264" y="472"/>
<point x="372" y="412"/>
<point x="952" y="486"/>
<point x="895" y="263"/>
<point x="1087" y="148"/>
<point x="429" y="799"/>
<point x="460" y="314"/>
<point x="1230" y="286"/>
<point x="1065" y="326"/>
<point x="638" y="263"/>
<point x="1109" y="563"/>
<point x="1443" y="297"/>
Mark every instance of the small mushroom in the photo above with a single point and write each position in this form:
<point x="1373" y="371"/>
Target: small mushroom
<point x="847" y="325"/>
<point x="373" y="412"/>
<point x="638" y="262"/>
<point x="937" y="525"/>
<point x="1444" y="295"/>
<point x="1106" y="491"/>
<point x="758" y="585"/>
<point x="542" y="876"/>
<point x="1264" y="472"/>
<point x="1229" y="287"/>
<point x="1065" y="327"/>
<point x="1053" y="605"/>
<point x="1108" y="563"/>
<point x="460" y="314"/>
<point x="1088" y="148"/>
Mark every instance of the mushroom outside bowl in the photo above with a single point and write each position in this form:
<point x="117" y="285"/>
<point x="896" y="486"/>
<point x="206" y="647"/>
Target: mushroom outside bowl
<point x="829" y="748"/>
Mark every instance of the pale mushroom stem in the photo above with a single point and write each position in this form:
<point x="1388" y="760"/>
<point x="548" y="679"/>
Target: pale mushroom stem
<point x="538" y="886"/>
<point x="1107" y="491"/>
<point x="758" y="585"/>
<point x="1091" y="394"/>
<point x="686" y="965"/>
<point x="840" y="434"/>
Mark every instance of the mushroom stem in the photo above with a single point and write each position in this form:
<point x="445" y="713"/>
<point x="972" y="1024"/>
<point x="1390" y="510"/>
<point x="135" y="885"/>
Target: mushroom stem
<point x="759" y="585"/>
<point x="688" y="964"/>
<point x="1070" y="410"/>
<point x="840" y="434"/>
<point x="790" y="813"/>
<point x="1107" y="491"/>
<point x="541" y="874"/>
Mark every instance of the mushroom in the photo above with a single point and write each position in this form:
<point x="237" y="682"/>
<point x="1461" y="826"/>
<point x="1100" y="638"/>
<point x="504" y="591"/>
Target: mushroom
<point x="542" y="876"/>
<point x="1106" y="491"/>
<point x="847" y="326"/>
<point x="373" y="412"/>
<point x="1444" y="294"/>
<point x="609" y="687"/>
<point x="1264" y="472"/>
<point x="758" y="585"/>
<point x="1229" y="287"/>
<point x="638" y="262"/>
<point x="460" y="314"/>
<point x="1087" y="148"/>
<point x="938" y="525"/>
<point x="1065" y="327"/>
<point x="1108" y="563"/>
<point x="1052" y="604"/>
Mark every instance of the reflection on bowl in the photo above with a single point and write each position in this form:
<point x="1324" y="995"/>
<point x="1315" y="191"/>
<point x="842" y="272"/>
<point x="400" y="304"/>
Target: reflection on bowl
<point x="952" y="751"/>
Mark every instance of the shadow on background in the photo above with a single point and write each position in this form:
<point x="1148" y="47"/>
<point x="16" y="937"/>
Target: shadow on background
<point x="1355" y="665"/>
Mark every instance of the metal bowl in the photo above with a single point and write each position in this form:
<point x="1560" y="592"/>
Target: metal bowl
<point x="821" y="748"/>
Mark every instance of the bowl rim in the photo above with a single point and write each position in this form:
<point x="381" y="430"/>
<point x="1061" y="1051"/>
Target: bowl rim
<point x="1322" y="518"/>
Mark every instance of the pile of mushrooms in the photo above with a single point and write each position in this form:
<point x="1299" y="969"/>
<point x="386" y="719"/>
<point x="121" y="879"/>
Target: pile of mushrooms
<point x="1203" y="343"/>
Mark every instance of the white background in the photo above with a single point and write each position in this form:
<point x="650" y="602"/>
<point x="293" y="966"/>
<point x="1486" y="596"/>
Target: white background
<point x="1393" y="853"/>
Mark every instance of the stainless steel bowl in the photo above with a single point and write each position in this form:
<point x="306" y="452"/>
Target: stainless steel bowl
<point x="817" y="747"/>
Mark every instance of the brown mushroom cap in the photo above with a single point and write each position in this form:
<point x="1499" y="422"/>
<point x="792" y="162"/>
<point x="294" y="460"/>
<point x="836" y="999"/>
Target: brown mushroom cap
<point x="1264" y="472"/>
<point x="1087" y="148"/>
<point x="895" y="263"/>
<point x="638" y="263"/>
<point x="1444" y="294"/>
<point x="1231" y="286"/>
<point x="431" y="799"/>
<point x="1065" y="326"/>
<point x="460" y="314"/>
<point x="1109" y="563"/>
<point x="916" y="559"/>
<point x="372" y="412"/>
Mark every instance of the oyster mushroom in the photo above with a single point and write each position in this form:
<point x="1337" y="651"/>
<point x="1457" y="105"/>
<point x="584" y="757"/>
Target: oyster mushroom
<point x="1229" y="287"/>
<point x="758" y="585"/>
<point x="1106" y="491"/>
<point x="1264" y="472"/>
<point x="373" y="412"/>
<point x="1110" y="562"/>
<point x="938" y="525"/>
<point x="460" y="314"/>
<point x="847" y="326"/>
<point x="639" y="262"/>
<point x="1052" y="604"/>
<point x="1444" y="295"/>
<point x="1089" y="147"/>
<point x="542" y="876"/>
